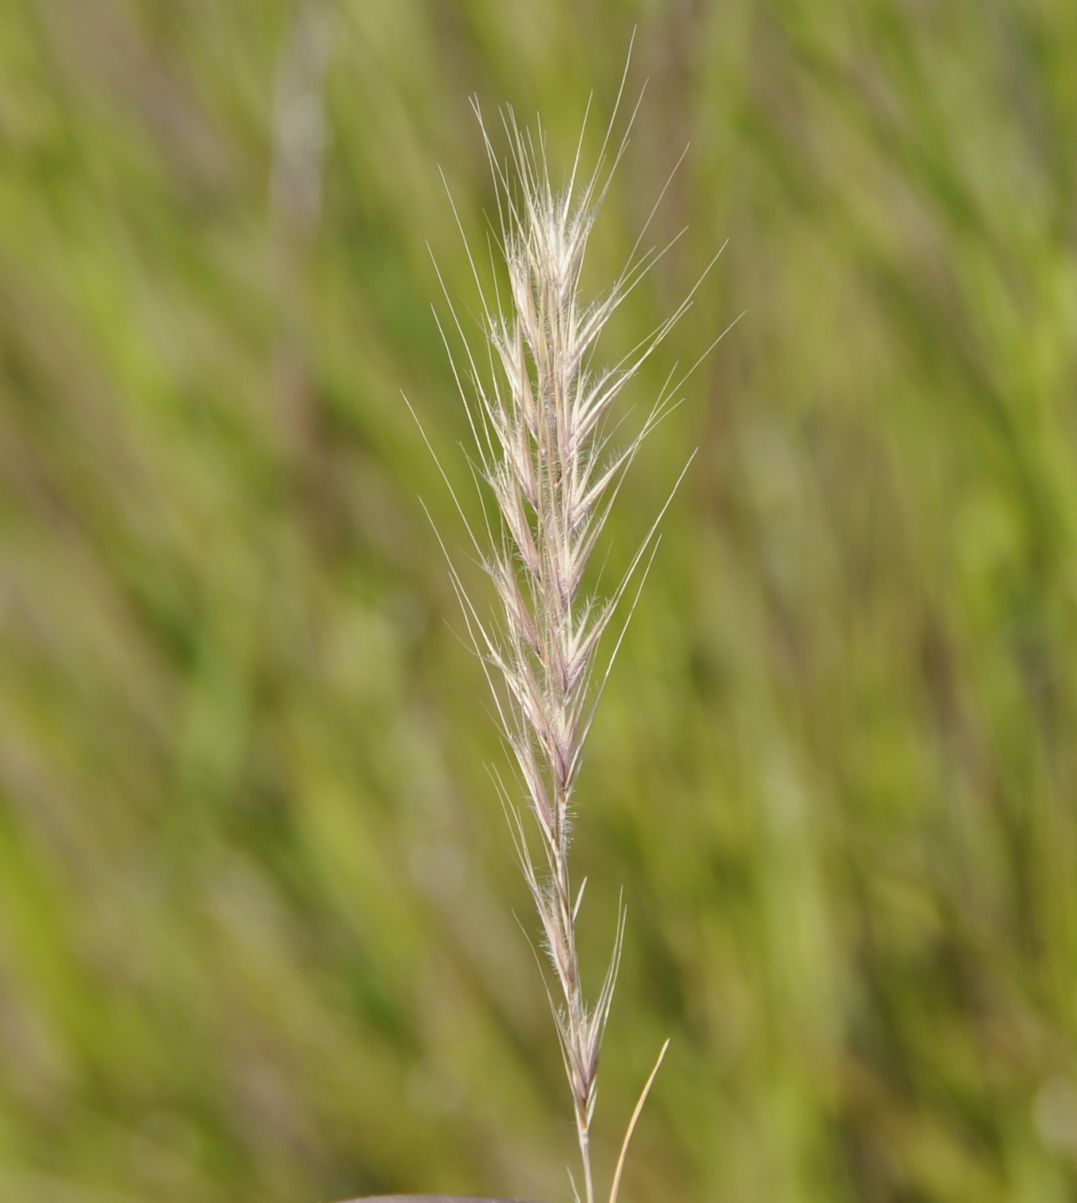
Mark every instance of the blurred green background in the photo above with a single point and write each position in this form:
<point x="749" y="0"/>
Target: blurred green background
<point x="256" y="895"/>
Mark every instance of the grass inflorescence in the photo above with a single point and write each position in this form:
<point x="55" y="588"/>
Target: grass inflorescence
<point x="542" y="414"/>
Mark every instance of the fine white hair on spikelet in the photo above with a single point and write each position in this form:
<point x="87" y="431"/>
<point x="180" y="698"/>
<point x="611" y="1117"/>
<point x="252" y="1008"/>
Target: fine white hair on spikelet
<point x="549" y="476"/>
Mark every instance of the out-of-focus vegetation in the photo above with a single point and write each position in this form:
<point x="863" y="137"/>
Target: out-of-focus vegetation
<point x="256" y="935"/>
